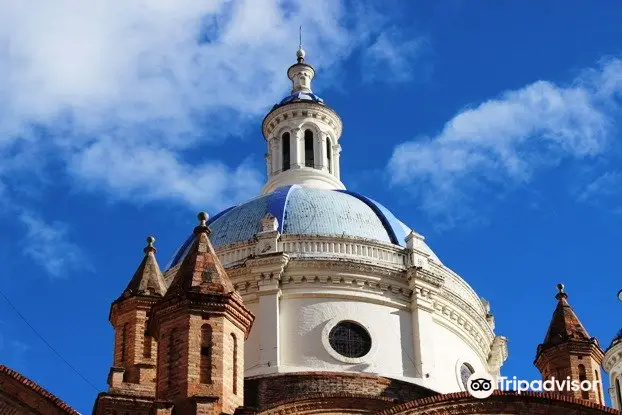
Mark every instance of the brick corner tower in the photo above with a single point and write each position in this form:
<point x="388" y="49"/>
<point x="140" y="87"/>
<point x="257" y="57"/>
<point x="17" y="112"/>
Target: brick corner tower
<point x="569" y="353"/>
<point x="200" y="325"/>
<point x="133" y="374"/>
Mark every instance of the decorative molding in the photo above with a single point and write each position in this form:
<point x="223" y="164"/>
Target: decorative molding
<point x="299" y="110"/>
<point x="461" y="324"/>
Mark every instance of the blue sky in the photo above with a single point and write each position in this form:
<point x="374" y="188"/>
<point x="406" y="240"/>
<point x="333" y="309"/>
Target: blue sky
<point x="490" y="127"/>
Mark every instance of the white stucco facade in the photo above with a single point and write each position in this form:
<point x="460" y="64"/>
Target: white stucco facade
<point x="424" y="320"/>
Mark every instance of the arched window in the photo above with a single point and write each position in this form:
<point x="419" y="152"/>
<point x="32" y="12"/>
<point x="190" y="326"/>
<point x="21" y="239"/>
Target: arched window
<point x="285" y="143"/>
<point x="618" y="393"/>
<point x="147" y="340"/>
<point x="582" y="376"/>
<point x="329" y="155"/>
<point x="309" y="156"/>
<point x="205" y="366"/>
<point x="466" y="370"/>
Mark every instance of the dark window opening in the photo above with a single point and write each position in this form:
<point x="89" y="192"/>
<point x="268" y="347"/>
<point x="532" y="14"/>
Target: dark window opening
<point x="147" y="346"/>
<point x="123" y="341"/>
<point x="205" y="365"/>
<point x="619" y="392"/>
<point x="350" y="339"/>
<point x="584" y="393"/>
<point x="235" y="363"/>
<point x="285" y="143"/>
<point x="309" y="156"/>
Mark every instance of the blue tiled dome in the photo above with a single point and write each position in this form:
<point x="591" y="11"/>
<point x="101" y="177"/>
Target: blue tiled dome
<point x="306" y="211"/>
<point x="300" y="96"/>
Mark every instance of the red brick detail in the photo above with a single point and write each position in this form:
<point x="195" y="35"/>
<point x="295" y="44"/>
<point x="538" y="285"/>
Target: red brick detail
<point x="463" y="403"/>
<point x="271" y="391"/>
<point x="346" y="403"/>
<point x="568" y="351"/>
<point x="19" y="395"/>
<point x="114" y="404"/>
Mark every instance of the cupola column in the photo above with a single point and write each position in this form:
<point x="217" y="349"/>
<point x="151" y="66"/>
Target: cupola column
<point x="296" y="137"/>
<point x="336" y="154"/>
<point x="274" y="150"/>
<point x="318" y="149"/>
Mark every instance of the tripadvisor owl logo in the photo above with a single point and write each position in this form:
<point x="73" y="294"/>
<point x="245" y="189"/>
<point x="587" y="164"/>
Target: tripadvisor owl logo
<point x="481" y="385"/>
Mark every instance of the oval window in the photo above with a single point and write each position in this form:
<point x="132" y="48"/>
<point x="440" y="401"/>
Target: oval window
<point x="465" y="373"/>
<point x="350" y="339"/>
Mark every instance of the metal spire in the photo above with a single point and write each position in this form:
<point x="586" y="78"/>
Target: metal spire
<point x="301" y="53"/>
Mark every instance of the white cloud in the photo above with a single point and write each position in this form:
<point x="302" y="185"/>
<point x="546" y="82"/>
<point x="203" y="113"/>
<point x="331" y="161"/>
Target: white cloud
<point x="49" y="246"/>
<point x="82" y="81"/>
<point x="506" y="140"/>
<point x="603" y="192"/>
<point x="391" y="58"/>
<point x="150" y="174"/>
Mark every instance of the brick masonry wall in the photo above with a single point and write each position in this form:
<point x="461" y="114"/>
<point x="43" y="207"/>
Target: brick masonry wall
<point x="273" y="390"/>
<point x="561" y="362"/>
<point x="172" y="367"/>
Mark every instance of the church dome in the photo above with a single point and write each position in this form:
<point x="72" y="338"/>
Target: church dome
<point x="308" y="211"/>
<point x="300" y="96"/>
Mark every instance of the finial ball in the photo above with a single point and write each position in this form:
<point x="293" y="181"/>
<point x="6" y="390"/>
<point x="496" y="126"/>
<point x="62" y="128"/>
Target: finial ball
<point x="560" y="287"/>
<point x="150" y="240"/>
<point x="202" y="216"/>
<point x="300" y="53"/>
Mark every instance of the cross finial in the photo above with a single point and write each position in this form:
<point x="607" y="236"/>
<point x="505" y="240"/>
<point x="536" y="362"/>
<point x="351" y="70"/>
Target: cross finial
<point x="300" y="37"/>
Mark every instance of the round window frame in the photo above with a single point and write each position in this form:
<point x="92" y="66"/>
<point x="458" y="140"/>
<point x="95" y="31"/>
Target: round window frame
<point x="459" y="364"/>
<point x="330" y="325"/>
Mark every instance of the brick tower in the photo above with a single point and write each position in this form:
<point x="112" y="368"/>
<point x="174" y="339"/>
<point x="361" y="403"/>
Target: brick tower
<point x="569" y="351"/>
<point x="132" y="377"/>
<point x="200" y="324"/>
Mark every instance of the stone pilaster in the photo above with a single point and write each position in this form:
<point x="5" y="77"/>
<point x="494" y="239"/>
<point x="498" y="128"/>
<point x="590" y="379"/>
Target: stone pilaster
<point x="425" y="286"/>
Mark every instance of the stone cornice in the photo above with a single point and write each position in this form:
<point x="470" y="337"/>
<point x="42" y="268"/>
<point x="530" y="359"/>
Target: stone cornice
<point x="474" y="330"/>
<point x="131" y="304"/>
<point x="202" y="304"/>
<point x="417" y="275"/>
<point x="298" y="110"/>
